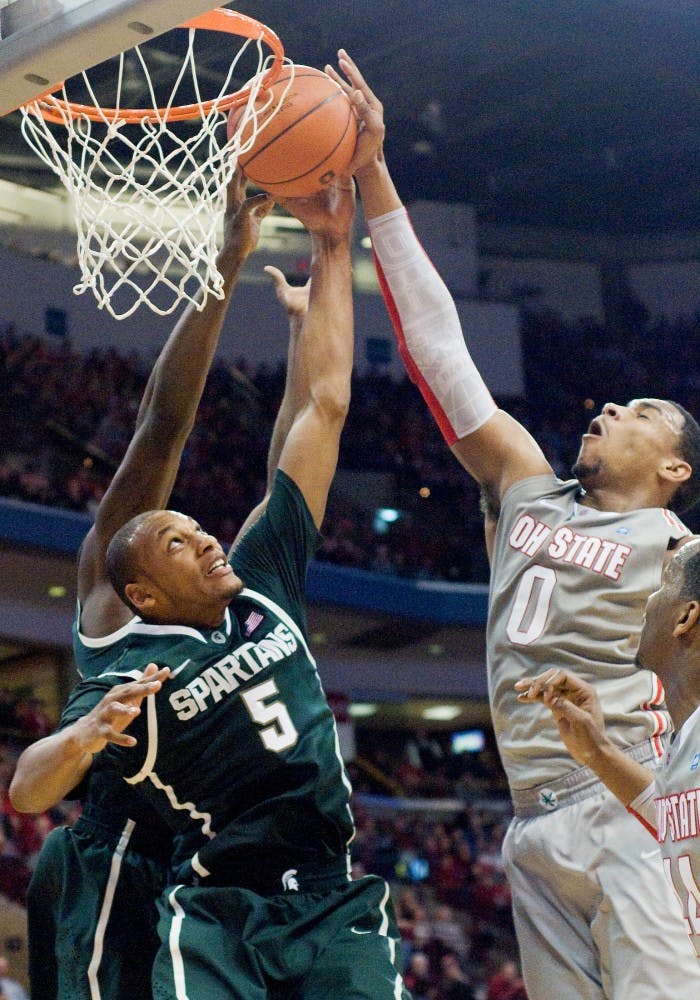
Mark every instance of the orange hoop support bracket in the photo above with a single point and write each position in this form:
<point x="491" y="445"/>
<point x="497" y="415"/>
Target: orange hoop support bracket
<point x="56" y="109"/>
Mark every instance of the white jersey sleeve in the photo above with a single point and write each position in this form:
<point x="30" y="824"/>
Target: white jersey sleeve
<point x="644" y="808"/>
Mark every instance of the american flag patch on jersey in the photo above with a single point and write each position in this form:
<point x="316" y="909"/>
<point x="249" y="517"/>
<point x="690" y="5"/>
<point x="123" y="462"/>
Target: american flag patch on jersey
<point x="252" y="622"/>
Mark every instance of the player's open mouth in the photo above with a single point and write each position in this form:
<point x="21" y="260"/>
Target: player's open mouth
<point x="595" y="428"/>
<point x="218" y="567"/>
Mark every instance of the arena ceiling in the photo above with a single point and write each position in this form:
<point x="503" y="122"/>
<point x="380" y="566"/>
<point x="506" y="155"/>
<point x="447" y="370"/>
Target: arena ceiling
<point x="570" y="115"/>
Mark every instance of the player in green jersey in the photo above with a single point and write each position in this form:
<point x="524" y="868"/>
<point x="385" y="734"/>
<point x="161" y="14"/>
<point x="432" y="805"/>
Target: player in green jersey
<point x="234" y="744"/>
<point x="91" y="903"/>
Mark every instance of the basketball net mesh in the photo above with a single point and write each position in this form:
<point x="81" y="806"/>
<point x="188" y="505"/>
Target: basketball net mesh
<point x="148" y="202"/>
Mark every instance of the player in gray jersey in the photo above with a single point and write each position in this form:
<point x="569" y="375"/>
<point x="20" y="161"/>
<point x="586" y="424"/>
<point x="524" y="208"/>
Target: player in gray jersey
<point x="571" y="566"/>
<point x="238" y="751"/>
<point x="666" y="798"/>
<point x="91" y="903"/>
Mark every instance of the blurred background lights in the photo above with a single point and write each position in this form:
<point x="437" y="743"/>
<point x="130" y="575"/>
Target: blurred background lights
<point x="440" y="713"/>
<point x="383" y="517"/>
<point x="361" y="709"/>
<point x="469" y="741"/>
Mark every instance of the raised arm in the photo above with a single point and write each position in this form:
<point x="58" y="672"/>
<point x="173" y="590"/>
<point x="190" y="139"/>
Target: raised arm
<point x="294" y="299"/>
<point x="48" y="770"/>
<point x="146" y="475"/>
<point x="494" y="448"/>
<point x="325" y="348"/>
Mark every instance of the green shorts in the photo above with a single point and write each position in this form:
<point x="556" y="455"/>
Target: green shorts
<point x="228" y="943"/>
<point x="92" y="917"/>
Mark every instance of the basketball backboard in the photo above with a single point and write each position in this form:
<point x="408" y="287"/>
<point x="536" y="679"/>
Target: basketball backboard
<point x="43" y="42"/>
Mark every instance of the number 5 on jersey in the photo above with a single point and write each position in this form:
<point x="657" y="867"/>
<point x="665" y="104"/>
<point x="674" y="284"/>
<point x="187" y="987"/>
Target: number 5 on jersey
<point x="278" y="732"/>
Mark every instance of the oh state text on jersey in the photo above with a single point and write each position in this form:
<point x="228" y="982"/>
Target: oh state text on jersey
<point x="678" y="816"/>
<point x="600" y="555"/>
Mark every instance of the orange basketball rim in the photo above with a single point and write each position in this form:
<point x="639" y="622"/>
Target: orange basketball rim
<point x="57" y="110"/>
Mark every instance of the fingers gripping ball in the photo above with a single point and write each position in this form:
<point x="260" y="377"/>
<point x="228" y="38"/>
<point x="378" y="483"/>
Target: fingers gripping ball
<point x="307" y="143"/>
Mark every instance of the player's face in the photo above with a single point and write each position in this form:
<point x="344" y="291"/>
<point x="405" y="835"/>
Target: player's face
<point x="624" y="442"/>
<point x="184" y="571"/>
<point x="663" y="608"/>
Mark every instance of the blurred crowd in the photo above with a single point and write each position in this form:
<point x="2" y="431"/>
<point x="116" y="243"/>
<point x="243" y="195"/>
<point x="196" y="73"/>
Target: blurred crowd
<point x="67" y="419"/>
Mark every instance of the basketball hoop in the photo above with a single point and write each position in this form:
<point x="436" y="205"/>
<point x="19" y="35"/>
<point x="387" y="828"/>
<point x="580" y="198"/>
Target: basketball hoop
<point x="148" y="198"/>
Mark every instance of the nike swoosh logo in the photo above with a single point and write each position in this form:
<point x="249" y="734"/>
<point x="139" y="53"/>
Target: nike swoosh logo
<point x="176" y="671"/>
<point x="354" y="930"/>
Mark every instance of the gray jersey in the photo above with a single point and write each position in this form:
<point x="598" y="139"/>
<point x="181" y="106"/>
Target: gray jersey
<point x="677" y="801"/>
<point x="568" y="589"/>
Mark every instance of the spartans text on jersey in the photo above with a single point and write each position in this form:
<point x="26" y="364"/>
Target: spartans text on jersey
<point x="227" y="674"/>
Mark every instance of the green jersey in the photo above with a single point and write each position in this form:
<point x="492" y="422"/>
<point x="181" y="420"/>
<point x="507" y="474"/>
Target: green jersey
<point x="106" y="799"/>
<point x="91" y="904"/>
<point x="239" y="752"/>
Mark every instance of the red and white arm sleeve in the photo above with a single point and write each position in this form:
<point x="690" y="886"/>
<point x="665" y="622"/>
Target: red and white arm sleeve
<point x="644" y="808"/>
<point x="431" y="342"/>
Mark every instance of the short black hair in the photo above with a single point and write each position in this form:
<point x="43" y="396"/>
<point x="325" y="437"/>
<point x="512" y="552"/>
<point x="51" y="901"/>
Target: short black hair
<point x="690" y="587"/>
<point x="121" y="561"/>
<point x="688" y="493"/>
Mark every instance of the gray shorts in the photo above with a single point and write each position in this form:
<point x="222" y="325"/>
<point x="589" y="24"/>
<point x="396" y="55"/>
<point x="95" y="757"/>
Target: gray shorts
<point x="594" y="913"/>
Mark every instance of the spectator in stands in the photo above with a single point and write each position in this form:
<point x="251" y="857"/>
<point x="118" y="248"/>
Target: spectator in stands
<point x="490" y="894"/>
<point x="425" y="751"/>
<point x="14" y="871"/>
<point x="418" y="976"/>
<point x="8" y="712"/>
<point x="454" y="984"/>
<point x="448" y="931"/>
<point x="90" y="395"/>
<point x="34" y="720"/>
<point x="10" y="989"/>
<point x="414" y="924"/>
<point x="452" y="875"/>
<point x="507" y="983"/>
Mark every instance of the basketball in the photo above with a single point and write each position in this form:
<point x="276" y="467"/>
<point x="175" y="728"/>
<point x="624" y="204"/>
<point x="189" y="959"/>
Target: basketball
<point x="307" y="143"/>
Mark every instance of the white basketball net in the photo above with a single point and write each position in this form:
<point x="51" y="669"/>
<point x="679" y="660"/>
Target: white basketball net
<point x="148" y="202"/>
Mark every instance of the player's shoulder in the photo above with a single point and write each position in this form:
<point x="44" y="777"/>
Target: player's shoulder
<point x="543" y="486"/>
<point x="101" y="613"/>
<point x="286" y="493"/>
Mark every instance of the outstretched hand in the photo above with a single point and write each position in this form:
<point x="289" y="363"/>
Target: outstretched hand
<point x="575" y="706"/>
<point x="244" y="216"/>
<point x="117" y="710"/>
<point x="369" y="148"/>
<point x="294" y="299"/>
<point x="330" y="212"/>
